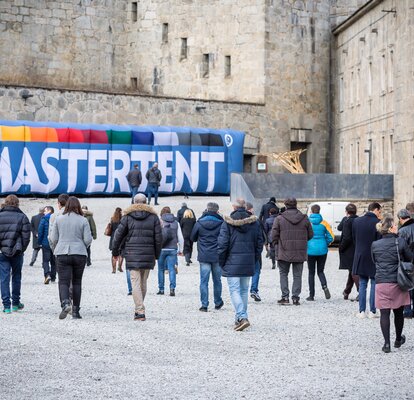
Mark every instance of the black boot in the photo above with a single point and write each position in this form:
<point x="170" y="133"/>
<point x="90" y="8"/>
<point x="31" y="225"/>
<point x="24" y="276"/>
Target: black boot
<point x="75" y="313"/>
<point x="66" y="309"/>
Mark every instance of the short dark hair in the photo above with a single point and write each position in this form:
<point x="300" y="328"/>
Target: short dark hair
<point x="291" y="202"/>
<point x="351" y="209"/>
<point x="374" y="206"/>
<point x="62" y="199"/>
<point x="410" y="207"/>
<point x="316" y="209"/>
<point x="272" y="211"/>
<point x="50" y="209"/>
<point x="165" y="210"/>
<point x="273" y="200"/>
<point x="73" y="205"/>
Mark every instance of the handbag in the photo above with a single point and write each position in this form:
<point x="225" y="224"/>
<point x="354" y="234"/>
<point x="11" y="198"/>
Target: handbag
<point x="108" y="229"/>
<point x="405" y="273"/>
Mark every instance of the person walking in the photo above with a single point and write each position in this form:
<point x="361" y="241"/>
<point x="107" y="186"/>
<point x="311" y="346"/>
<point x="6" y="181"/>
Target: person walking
<point x="113" y="224"/>
<point x="171" y="238"/>
<point x="139" y="237"/>
<point x="347" y="250"/>
<point x="318" y="252"/>
<point x="406" y="231"/>
<point x="239" y="247"/>
<point x="205" y="232"/>
<point x="182" y="210"/>
<point x="265" y="210"/>
<point x="89" y="216"/>
<point x="134" y="179"/>
<point x="69" y="239"/>
<point x="386" y="254"/>
<point x="61" y="204"/>
<point x="34" y="225"/>
<point x="49" y="265"/>
<point x="364" y="233"/>
<point x="14" y="240"/>
<point x="187" y="223"/>
<point x="154" y="177"/>
<point x="291" y="232"/>
<point x="272" y="250"/>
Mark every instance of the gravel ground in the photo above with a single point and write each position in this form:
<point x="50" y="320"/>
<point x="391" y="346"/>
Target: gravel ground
<point x="319" y="350"/>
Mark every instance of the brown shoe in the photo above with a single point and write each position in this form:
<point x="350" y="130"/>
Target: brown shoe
<point x="243" y="324"/>
<point x="283" y="302"/>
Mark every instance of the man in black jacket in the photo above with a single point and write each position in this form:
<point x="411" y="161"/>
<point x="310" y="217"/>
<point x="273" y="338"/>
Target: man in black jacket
<point x="14" y="239"/>
<point x="34" y="225"/>
<point x="205" y="232"/>
<point x="264" y="212"/>
<point x="154" y="177"/>
<point x="240" y="244"/>
<point x="406" y="231"/>
<point x="139" y="234"/>
<point x="134" y="178"/>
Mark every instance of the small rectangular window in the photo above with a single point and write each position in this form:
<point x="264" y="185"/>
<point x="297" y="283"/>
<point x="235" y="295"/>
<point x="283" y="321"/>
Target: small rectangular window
<point x="227" y="66"/>
<point x="134" y="11"/>
<point x="206" y="65"/>
<point x="183" y="54"/>
<point x="134" y="83"/>
<point x="165" y="33"/>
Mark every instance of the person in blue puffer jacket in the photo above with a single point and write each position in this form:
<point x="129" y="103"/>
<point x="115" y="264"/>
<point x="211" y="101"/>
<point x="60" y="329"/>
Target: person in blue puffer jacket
<point x="48" y="259"/>
<point x="318" y="252"/>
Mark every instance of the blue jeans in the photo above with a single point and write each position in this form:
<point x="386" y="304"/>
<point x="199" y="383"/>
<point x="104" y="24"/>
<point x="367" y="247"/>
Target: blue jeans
<point x="134" y="191"/>
<point x="128" y="278"/>
<point x="13" y="266"/>
<point x="255" y="279"/>
<point x="363" y="284"/>
<point x="239" y="293"/>
<point x="152" y="191"/>
<point x="205" y="269"/>
<point x="167" y="260"/>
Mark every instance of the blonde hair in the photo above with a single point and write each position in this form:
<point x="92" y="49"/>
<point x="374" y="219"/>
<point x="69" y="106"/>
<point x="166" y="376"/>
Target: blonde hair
<point x="384" y="226"/>
<point x="188" y="214"/>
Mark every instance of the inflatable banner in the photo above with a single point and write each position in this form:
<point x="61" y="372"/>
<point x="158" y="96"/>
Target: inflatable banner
<point x="52" y="158"/>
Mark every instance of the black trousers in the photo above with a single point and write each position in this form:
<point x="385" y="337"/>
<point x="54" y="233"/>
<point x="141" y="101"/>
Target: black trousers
<point x="70" y="268"/>
<point x="48" y="262"/>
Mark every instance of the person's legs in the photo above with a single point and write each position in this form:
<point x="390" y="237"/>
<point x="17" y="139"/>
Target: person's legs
<point x="128" y="279"/>
<point x="150" y="192"/>
<point x="137" y="294"/>
<point x="53" y="267"/>
<point x="372" y="296"/>
<point x="356" y="281"/>
<point x="88" y="258"/>
<point x="5" y="270"/>
<point x="16" y="264"/>
<point x="297" y="270"/>
<point x="398" y="322"/>
<point x="320" y="262"/>
<point x="255" y="279"/>
<point x="34" y="256"/>
<point x="78" y="266"/>
<point x="134" y="191"/>
<point x="284" y="267"/>
<point x="363" y="283"/>
<point x="217" y="286"/>
<point x="236" y="299"/>
<point x="45" y="261"/>
<point x="171" y="259"/>
<point x="144" y="278"/>
<point x="65" y="276"/>
<point x="349" y="284"/>
<point x="205" y="269"/>
<point x="161" y="268"/>
<point x="244" y="293"/>
<point x="156" y="193"/>
<point x="311" y="276"/>
<point x="385" y="324"/>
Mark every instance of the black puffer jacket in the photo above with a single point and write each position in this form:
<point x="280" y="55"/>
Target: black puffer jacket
<point x="240" y="244"/>
<point x="141" y="229"/>
<point x="385" y="257"/>
<point x="407" y="233"/>
<point x="14" y="231"/>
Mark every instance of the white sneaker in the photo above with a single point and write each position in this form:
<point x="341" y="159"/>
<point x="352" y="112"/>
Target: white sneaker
<point x="361" y="315"/>
<point x="373" y="315"/>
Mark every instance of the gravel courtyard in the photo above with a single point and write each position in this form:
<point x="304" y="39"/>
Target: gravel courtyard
<point x="319" y="350"/>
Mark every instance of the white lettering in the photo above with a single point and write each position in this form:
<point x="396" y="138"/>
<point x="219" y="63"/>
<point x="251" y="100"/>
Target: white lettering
<point x="73" y="156"/>
<point x="94" y="170"/>
<point x="51" y="171"/>
<point x="163" y="158"/>
<point x="183" y="169"/>
<point x="118" y="174"/>
<point x="211" y="158"/>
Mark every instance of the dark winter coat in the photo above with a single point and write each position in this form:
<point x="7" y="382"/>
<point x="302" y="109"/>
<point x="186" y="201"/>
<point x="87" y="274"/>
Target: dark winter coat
<point x="264" y="212"/>
<point x="407" y="233"/>
<point x="114" y="227"/>
<point x="240" y="244"/>
<point x="153" y="175"/>
<point x="89" y="217"/>
<point x="44" y="231"/>
<point x="134" y="177"/>
<point x="181" y="211"/>
<point x="141" y="229"/>
<point x="346" y="244"/>
<point x="205" y="232"/>
<point x="14" y="231"/>
<point x="187" y="225"/>
<point x="291" y="232"/>
<point x="34" y="225"/>
<point x="170" y="235"/>
<point x="268" y="225"/>
<point x="364" y="232"/>
<point x="385" y="257"/>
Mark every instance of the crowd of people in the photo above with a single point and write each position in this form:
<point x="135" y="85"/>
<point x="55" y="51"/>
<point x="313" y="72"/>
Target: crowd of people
<point x="231" y="247"/>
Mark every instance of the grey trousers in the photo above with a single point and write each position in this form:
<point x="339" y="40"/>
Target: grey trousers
<point x="297" y="269"/>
